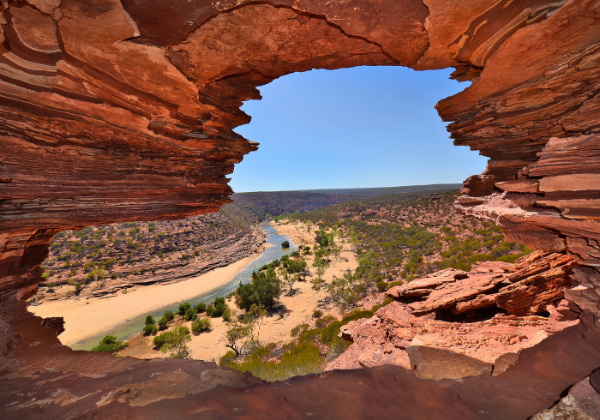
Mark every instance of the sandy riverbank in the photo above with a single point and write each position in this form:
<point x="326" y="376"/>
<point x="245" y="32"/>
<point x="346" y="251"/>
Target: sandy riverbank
<point x="87" y="317"/>
<point x="293" y="310"/>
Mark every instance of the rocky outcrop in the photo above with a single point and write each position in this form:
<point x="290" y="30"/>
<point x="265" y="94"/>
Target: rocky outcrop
<point x="114" y="111"/>
<point x="418" y="335"/>
<point x="581" y="403"/>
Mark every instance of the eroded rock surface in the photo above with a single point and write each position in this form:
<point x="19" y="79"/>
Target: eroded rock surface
<point x="581" y="403"/>
<point x="415" y="335"/>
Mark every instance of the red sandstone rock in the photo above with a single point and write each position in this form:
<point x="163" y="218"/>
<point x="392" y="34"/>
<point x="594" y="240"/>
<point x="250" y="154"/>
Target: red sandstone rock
<point x="519" y="185"/>
<point x="581" y="403"/>
<point x="453" y="350"/>
<point x="539" y="262"/>
<point x="445" y="350"/>
<point x="479" y="302"/>
<point x="449" y="295"/>
<point x="422" y="287"/>
<point x="533" y="294"/>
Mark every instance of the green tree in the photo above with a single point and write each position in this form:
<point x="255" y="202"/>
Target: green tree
<point x="321" y="264"/>
<point x="289" y="280"/>
<point x="264" y="289"/>
<point x="174" y="342"/>
<point x="346" y="291"/>
<point x="109" y="344"/>
<point x="285" y="244"/>
<point x="238" y="335"/>
<point x="255" y="317"/>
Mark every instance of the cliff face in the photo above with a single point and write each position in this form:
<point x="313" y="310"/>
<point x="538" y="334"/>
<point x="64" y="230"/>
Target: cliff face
<point x="115" y="111"/>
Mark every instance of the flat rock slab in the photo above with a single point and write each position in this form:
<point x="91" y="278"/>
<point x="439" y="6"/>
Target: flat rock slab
<point x="422" y="287"/>
<point x="448" y="295"/>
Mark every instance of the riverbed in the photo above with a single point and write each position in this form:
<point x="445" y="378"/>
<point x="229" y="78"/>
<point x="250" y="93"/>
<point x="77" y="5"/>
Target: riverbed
<point x="135" y="324"/>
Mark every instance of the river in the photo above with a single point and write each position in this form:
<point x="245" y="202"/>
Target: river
<point x="135" y="325"/>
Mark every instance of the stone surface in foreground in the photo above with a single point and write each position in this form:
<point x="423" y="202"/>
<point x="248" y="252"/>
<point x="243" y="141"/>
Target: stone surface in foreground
<point x="413" y="335"/>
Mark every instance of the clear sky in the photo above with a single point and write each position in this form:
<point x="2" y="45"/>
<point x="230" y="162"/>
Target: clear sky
<point x="352" y="128"/>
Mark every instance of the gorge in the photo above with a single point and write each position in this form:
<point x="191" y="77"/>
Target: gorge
<point x="124" y="111"/>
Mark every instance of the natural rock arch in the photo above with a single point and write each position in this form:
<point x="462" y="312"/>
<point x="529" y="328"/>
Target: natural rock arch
<point x="116" y="111"/>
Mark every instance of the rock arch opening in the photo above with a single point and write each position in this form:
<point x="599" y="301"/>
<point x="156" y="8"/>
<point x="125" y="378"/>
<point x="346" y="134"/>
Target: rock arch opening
<point x="352" y="128"/>
<point x="140" y="114"/>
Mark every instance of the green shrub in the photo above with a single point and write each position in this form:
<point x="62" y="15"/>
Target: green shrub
<point x="381" y="305"/>
<point x="511" y="258"/>
<point x="301" y="359"/>
<point x="478" y="258"/>
<point x="227" y="358"/>
<point x="499" y="251"/>
<point x="183" y="308"/>
<point x="382" y="286"/>
<point x="299" y="330"/>
<point x="150" y="329"/>
<point x="201" y="325"/>
<point x="325" y="321"/>
<point x="201" y="307"/>
<point x="285" y="244"/>
<point x="109" y="344"/>
<point x="189" y="314"/>
<point x="395" y="283"/>
<point x="149" y="320"/>
<point x="166" y="318"/>
<point x="162" y="323"/>
<point x="217" y="308"/>
<point x="317" y="313"/>
<point x="227" y="314"/>
<point x="464" y="265"/>
<point x="160" y="339"/>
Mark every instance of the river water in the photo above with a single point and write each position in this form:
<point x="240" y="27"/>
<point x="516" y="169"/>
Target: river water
<point x="135" y="325"/>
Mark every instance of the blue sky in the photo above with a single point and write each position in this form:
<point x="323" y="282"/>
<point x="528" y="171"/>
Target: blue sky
<point x="352" y="128"/>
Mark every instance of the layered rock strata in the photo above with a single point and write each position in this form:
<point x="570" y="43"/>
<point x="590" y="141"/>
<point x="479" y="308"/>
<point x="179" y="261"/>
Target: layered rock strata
<point x="216" y="254"/>
<point x="113" y="111"/>
<point x="422" y="335"/>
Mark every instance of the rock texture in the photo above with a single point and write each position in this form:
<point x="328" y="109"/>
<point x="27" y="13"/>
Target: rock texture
<point x="581" y="403"/>
<point x="113" y="111"/>
<point x="415" y="335"/>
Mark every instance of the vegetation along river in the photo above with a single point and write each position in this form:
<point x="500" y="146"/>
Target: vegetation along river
<point x="135" y="325"/>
